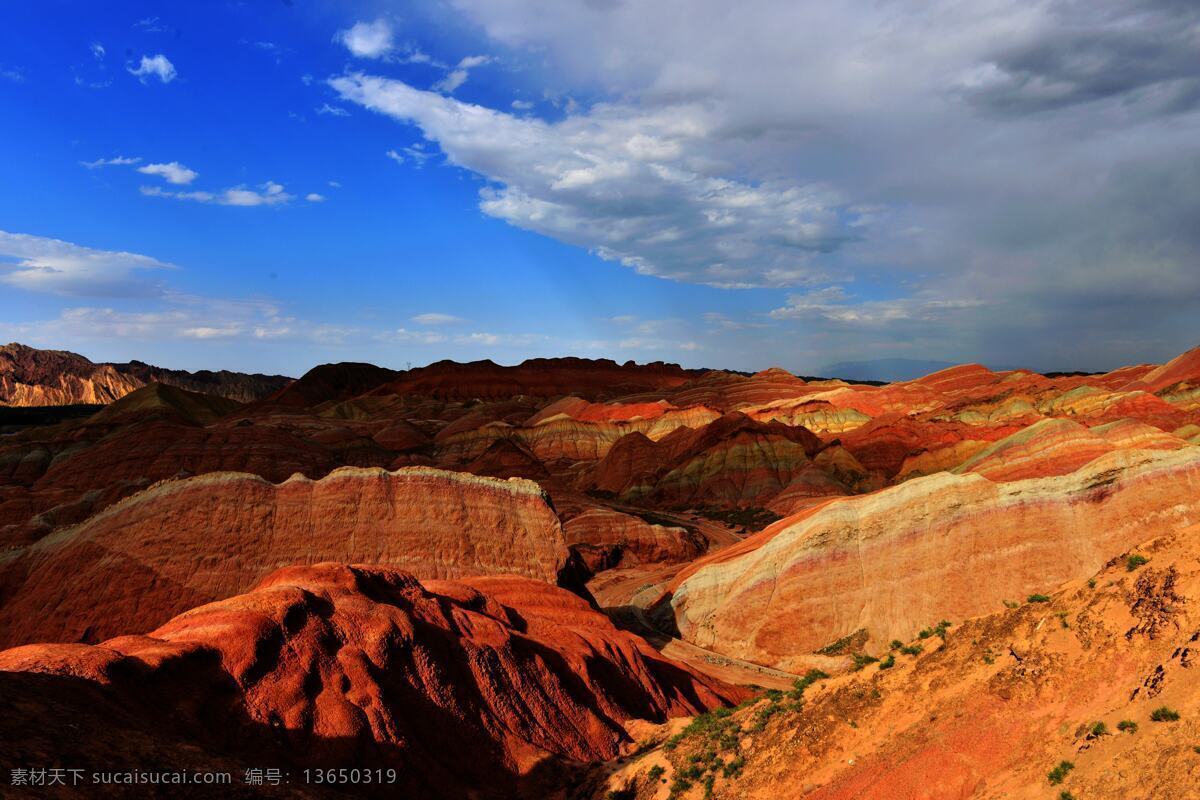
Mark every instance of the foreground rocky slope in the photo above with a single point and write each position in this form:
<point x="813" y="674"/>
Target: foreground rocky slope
<point x="1087" y="691"/>
<point x="464" y="688"/>
<point x="187" y="542"/>
<point x="31" y="377"/>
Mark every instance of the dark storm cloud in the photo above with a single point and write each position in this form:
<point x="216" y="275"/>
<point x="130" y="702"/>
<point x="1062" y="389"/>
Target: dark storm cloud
<point x="1140" y="52"/>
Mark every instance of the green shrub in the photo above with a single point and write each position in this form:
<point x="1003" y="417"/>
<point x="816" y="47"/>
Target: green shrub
<point x="679" y="786"/>
<point x="656" y="772"/>
<point x="800" y="684"/>
<point x="1164" y="714"/>
<point x="734" y="767"/>
<point x="1091" y="583"/>
<point x="1059" y="773"/>
<point x="1098" y="729"/>
<point x="1038" y="598"/>
<point x="1065" y="795"/>
<point x="911" y="650"/>
<point x="1011" y="604"/>
<point x="862" y="659"/>
<point x="850" y="641"/>
<point x="1127" y="725"/>
<point x="708" y="785"/>
<point x="896" y="644"/>
<point x="1133" y="561"/>
<point x="888" y="662"/>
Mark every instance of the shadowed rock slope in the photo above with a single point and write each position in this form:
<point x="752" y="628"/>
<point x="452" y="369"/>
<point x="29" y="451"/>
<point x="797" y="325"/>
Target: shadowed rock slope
<point x="465" y="688"/>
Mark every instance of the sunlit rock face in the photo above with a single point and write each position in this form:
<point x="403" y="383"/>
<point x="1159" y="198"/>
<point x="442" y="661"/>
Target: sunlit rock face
<point x="186" y="542"/>
<point x="941" y="547"/>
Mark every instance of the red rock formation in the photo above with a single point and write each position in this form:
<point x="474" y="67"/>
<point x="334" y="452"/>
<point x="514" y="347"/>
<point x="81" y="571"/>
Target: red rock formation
<point x="730" y="462"/>
<point x="606" y="538"/>
<point x="1184" y="368"/>
<point x="464" y="688"/>
<point x="187" y="542"/>
<point x="1060" y="446"/>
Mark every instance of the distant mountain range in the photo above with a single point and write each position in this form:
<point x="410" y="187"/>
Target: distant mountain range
<point x="32" y="377"/>
<point x="891" y="370"/>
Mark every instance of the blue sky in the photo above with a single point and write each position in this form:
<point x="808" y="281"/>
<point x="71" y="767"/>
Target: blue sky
<point x="267" y="186"/>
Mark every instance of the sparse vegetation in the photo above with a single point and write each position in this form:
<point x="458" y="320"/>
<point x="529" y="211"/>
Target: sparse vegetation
<point x="1133" y="561"/>
<point x="1062" y="618"/>
<point x="1011" y="604"/>
<point x="935" y="630"/>
<point x="1164" y="714"/>
<point x="1097" y="730"/>
<point x="862" y="659"/>
<point x="800" y="684"/>
<point x="1127" y="726"/>
<point x="846" y="644"/>
<point x="750" y="519"/>
<point x="888" y="662"/>
<point x="656" y="772"/>
<point x="1065" y="795"/>
<point x="896" y="644"/>
<point x="1091" y="583"/>
<point x="912" y="650"/>
<point x="1038" y="598"/>
<point x="1059" y="773"/>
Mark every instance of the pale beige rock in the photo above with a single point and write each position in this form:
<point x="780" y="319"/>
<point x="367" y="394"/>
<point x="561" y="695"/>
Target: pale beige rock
<point x="940" y="547"/>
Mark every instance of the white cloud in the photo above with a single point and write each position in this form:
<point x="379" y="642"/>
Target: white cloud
<point x="151" y="25"/>
<point x="454" y="79"/>
<point x="98" y="50"/>
<point x="418" y="337"/>
<point x="158" y="66"/>
<point x="174" y="172"/>
<point x="117" y="161"/>
<point x="415" y="152"/>
<point x="14" y="74"/>
<point x="832" y="304"/>
<point x="434" y="318"/>
<point x="313" y="197"/>
<point x="180" y="316"/>
<point x="335" y="111"/>
<point x="268" y="194"/>
<point x="40" y="264"/>
<point x="367" y="39"/>
<point x="522" y="105"/>
<point x="629" y="184"/>
<point x="458" y="76"/>
<point x="335" y="184"/>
